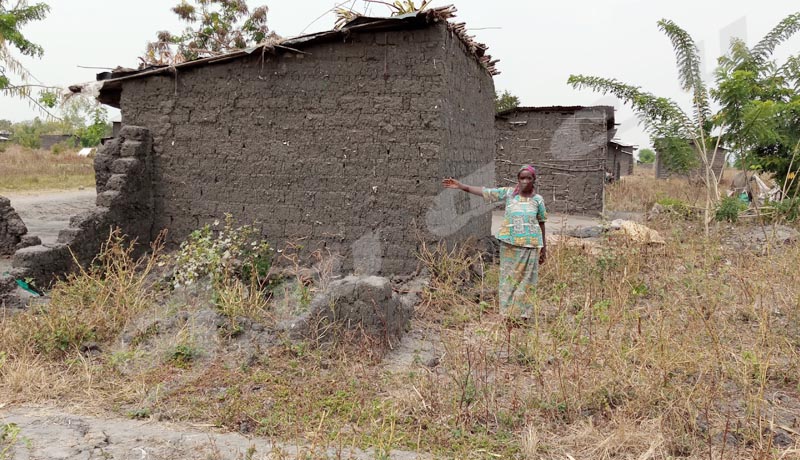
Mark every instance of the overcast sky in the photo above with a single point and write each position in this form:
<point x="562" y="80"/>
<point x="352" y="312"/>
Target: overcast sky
<point x="539" y="43"/>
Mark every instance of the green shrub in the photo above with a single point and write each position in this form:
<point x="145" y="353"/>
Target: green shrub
<point x="728" y="209"/>
<point x="63" y="146"/>
<point x="676" y="207"/>
<point x="788" y="209"/>
<point x="219" y="254"/>
<point x="182" y="355"/>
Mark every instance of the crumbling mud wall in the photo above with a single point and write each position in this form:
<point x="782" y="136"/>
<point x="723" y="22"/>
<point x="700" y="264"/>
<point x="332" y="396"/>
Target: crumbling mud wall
<point x="342" y="146"/>
<point x="13" y="232"/>
<point x="568" y="148"/>
<point x="124" y="199"/>
<point x="366" y="306"/>
<point x="718" y="165"/>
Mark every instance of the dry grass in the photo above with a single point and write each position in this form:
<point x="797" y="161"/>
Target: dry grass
<point x="24" y="169"/>
<point x="636" y="352"/>
<point x="638" y="193"/>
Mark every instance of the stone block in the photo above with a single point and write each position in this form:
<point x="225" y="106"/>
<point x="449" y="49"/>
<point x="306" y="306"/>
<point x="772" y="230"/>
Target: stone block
<point x="130" y="166"/>
<point x="108" y="198"/>
<point x="134" y="133"/>
<point x="133" y="149"/>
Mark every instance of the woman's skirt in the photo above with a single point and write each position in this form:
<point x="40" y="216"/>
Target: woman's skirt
<point x="519" y="273"/>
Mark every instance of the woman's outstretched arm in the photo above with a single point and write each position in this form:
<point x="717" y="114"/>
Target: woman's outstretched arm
<point x="452" y="183"/>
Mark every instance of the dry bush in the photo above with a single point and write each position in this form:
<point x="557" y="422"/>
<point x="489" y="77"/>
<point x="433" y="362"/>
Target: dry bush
<point x="638" y="193"/>
<point x="46" y="350"/>
<point x="92" y="305"/>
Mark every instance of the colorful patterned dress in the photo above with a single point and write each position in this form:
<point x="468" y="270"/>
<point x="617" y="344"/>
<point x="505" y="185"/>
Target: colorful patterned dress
<point x="520" y="240"/>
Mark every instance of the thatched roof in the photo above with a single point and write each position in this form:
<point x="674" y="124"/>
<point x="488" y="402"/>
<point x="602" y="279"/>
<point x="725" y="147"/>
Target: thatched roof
<point x="112" y="81"/>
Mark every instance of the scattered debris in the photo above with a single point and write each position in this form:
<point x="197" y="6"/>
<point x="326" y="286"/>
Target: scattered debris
<point x="86" y="151"/>
<point x="638" y="233"/>
<point x="752" y="188"/>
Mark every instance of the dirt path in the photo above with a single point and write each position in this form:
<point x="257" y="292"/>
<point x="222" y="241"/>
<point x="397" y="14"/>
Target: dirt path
<point x="47" y="213"/>
<point x="51" y="434"/>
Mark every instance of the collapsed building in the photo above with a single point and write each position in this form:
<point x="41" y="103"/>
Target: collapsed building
<point x="567" y="145"/>
<point x="337" y="140"/>
<point x="717" y="157"/>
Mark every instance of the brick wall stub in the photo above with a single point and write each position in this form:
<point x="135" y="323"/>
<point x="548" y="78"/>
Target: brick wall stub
<point x="124" y="200"/>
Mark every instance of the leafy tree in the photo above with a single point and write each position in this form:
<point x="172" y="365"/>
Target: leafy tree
<point x="15" y="79"/>
<point x="667" y="123"/>
<point x="27" y="133"/>
<point x="760" y="103"/>
<point x="647" y="156"/>
<point x="505" y="101"/>
<point x="86" y="119"/>
<point x="91" y="134"/>
<point x="214" y="27"/>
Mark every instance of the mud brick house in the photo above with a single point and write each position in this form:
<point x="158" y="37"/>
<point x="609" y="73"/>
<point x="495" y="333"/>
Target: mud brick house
<point x="338" y="140"/>
<point x="718" y="159"/>
<point x="567" y="145"/>
<point x="619" y="160"/>
<point x="47" y="141"/>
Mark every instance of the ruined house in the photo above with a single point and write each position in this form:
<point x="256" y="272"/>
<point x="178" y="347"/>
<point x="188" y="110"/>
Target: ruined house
<point x="337" y="140"/>
<point x="48" y="141"/>
<point x="567" y="145"/>
<point x="619" y="160"/>
<point x="717" y="157"/>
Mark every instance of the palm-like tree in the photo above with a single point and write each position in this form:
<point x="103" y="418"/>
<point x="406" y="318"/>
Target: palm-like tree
<point x="666" y="121"/>
<point x="662" y="117"/>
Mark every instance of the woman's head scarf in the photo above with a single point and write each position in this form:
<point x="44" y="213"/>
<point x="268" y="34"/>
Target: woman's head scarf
<point x="528" y="168"/>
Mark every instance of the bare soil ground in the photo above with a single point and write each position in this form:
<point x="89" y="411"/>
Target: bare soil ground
<point x="47" y="213"/>
<point x="47" y="433"/>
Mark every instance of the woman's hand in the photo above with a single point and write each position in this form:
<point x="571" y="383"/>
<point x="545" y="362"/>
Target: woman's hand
<point x="543" y="255"/>
<point x="452" y="183"/>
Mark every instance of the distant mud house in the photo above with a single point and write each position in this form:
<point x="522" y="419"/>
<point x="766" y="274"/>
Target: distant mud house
<point x="337" y="139"/>
<point x="568" y="146"/>
<point x="716" y="157"/>
<point x="619" y="160"/>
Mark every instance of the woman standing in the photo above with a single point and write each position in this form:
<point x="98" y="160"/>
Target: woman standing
<point x="522" y="240"/>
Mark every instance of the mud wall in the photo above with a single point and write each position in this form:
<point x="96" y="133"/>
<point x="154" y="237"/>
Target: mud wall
<point x="663" y="172"/>
<point x="568" y="149"/>
<point x="618" y="161"/>
<point x="124" y="200"/>
<point x="340" y="147"/>
<point x="49" y="140"/>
